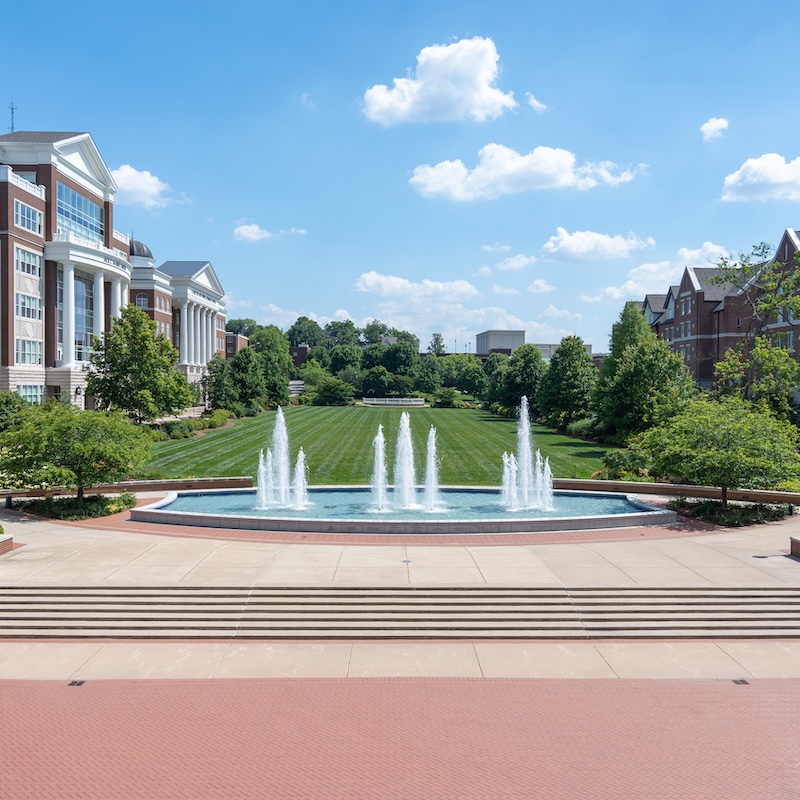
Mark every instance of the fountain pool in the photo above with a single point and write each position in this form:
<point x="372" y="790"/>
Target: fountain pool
<point x="525" y="503"/>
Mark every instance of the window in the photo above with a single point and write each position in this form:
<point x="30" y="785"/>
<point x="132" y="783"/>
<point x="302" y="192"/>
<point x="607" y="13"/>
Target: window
<point x="27" y="262"/>
<point x="79" y="215"/>
<point x="32" y="393"/>
<point x="28" y="306"/>
<point x="27" y="217"/>
<point x="688" y="305"/>
<point x="28" y="351"/>
<point x="790" y="340"/>
<point x="141" y="301"/>
<point x="28" y="176"/>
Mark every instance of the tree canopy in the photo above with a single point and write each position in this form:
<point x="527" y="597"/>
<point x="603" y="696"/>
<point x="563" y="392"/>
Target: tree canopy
<point x="133" y="370"/>
<point x="566" y="387"/>
<point x="728" y="444"/>
<point x="58" y="445"/>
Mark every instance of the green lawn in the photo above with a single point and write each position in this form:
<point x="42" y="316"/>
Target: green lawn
<point x="338" y="445"/>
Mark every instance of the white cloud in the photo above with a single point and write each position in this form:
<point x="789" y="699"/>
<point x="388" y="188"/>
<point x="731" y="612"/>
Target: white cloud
<point x="657" y="277"/>
<point x="501" y="171"/>
<point x="540" y="286"/>
<point x="485" y="271"/>
<point x="231" y="303"/>
<point x="393" y="286"/>
<point x="496" y="247"/>
<point x="139" y="188"/>
<point x="714" y="128"/>
<point x="251" y="233"/>
<point x="560" y="313"/>
<point x="519" y="261"/>
<point x="535" y="104"/>
<point x="452" y="82"/>
<point x="306" y="100"/>
<point x="497" y="289"/>
<point x="587" y="245"/>
<point x="768" y="177"/>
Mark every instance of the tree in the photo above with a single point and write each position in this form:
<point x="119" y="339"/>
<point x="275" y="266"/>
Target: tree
<point x="345" y="355"/>
<point x="57" y="444"/>
<point x="306" y="331"/>
<point x="566" y="387"/>
<point x="495" y="371"/>
<point x="428" y="377"/>
<point x="436" y="347"/>
<point x="313" y="373"/>
<point x="769" y="288"/>
<point x="764" y="373"/>
<point x="630" y="329"/>
<point x="247" y="378"/>
<point x="472" y="380"/>
<point x="372" y="356"/>
<point x="133" y="370"/>
<point x="243" y="327"/>
<point x="272" y="347"/>
<point x="342" y="332"/>
<point x="650" y="384"/>
<point x="727" y="443"/>
<point x="374" y="332"/>
<point x="218" y="384"/>
<point x="401" y="358"/>
<point x="525" y="369"/>
<point x="333" y="392"/>
<point x="377" y="382"/>
<point x="11" y="407"/>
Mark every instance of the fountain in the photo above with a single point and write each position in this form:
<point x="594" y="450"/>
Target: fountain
<point x="525" y="502"/>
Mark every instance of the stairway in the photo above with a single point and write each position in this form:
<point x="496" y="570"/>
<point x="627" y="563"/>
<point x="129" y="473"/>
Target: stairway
<point x="397" y="613"/>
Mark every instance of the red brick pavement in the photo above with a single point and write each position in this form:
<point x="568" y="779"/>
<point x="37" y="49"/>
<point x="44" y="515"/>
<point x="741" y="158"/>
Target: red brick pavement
<point x="382" y="739"/>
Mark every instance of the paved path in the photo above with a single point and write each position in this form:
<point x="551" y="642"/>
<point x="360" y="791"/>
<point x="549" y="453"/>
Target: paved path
<point x="420" y="719"/>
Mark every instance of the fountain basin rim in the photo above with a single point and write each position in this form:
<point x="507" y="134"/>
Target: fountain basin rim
<point x="644" y="515"/>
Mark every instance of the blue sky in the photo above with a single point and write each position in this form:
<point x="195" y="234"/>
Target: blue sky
<point x="441" y="166"/>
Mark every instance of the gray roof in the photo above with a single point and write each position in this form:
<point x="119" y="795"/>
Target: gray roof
<point x="655" y="301"/>
<point x="182" y="268"/>
<point x="138" y="248"/>
<point x="713" y="291"/>
<point x="36" y="137"/>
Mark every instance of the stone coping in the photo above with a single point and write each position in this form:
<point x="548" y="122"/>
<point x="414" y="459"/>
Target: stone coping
<point x="646" y="515"/>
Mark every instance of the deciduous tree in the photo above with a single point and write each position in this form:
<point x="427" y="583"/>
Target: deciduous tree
<point x="566" y="387"/>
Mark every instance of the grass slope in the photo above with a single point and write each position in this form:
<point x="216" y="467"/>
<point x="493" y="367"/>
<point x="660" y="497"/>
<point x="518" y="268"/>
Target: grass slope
<point x="338" y="445"/>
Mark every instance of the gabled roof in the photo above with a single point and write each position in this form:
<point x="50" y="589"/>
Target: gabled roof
<point x="655" y="301"/>
<point x="713" y="291"/>
<point x="198" y="272"/>
<point x="39" y="137"/>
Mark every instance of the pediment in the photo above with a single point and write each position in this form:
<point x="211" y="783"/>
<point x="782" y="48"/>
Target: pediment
<point x="207" y="278"/>
<point x="82" y="154"/>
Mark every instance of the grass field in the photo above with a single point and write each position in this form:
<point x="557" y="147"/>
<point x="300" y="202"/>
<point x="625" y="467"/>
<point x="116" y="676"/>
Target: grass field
<point x="338" y="445"/>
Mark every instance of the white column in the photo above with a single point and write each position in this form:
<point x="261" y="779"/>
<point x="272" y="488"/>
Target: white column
<point x="116" y="297"/>
<point x="99" y="304"/>
<point x="184" y="337"/>
<point x="213" y="333"/>
<point x="201" y="335"/>
<point x="126" y="294"/>
<point x="207" y="331"/>
<point x="190" y="333"/>
<point x="68" y="315"/>
<point x="196" y="334"/>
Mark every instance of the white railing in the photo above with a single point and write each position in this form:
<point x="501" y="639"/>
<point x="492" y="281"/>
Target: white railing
<point x="121" y="237"/>
<point x="7" y="175"/>
<point x="393" y="401"/>
<point x="114" y="257"/>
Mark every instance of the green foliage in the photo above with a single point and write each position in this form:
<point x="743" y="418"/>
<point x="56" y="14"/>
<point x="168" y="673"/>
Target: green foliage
<point x="401" y="358"/>
<point x="448" y="398"/>
<point x="11" y="407"/>
<point x="585" y="427"/>
<point x="313" y="373"/>
<point x="342" y="332"/>
<point x="245" y="327"/>
<point x="246" y="377"/>
<point x="306" y="331"/>
<point x="428" y="377"/>
<point x="351" y="375"/>
<point x="626" y="465"/>
<point x="525" y="369"/>
<point x="59" y="445"/>
<point x="724" y="443"/>
<point x="377" y="382"/>
<point x="333" y="392"/>
<point x="374" y="332"/>
<point x="436" y="346"/>
<point x="133" y="370"/>
<point x="68" y="508"/>
<point x="275" y="361"/>
<point x="218" y="383"/>
<point x="372" y="356"/>
<point x="649" y="384"/>
<point x="495" y="369"/>
<point x="345" y="355"/>
<point x="732" y="516"/>
<point x="760" y="371"/>
<point x="566" y="387"/>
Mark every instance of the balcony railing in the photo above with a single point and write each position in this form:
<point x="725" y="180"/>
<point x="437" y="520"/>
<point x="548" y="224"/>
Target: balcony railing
<point x="115" y="257"/>
<point x="7" y="175"/>
<point x="121" y="237"/>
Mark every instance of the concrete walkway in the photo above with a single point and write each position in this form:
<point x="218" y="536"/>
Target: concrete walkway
<point x="49" y="554"/>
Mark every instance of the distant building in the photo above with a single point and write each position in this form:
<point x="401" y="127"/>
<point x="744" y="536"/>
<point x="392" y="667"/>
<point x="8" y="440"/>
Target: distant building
<point x="234" y="342"/>
<point x="299" y="353"/>
<point x="505" y="342"/>
<point x="547" y="350"/>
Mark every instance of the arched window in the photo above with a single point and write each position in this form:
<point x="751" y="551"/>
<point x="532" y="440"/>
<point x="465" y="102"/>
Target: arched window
<point x="141" y="301"/>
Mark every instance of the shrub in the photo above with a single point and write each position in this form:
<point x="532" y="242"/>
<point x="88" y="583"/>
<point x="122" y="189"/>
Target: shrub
<point x="583" y="428"/>
<point x="733" y="515"/>
<point x="447" y="398"/>
<point x="68" y="508"/>
<point x="177" y="429"/>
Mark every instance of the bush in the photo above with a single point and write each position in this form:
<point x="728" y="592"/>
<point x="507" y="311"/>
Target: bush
<point x="216" y="419"/>
<point x="177" y="429"/>
<point x="583" y="428"/>
<point x="447" y="398"/>
<point x="68" y="508"/>
<point x="732" y="516"/>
